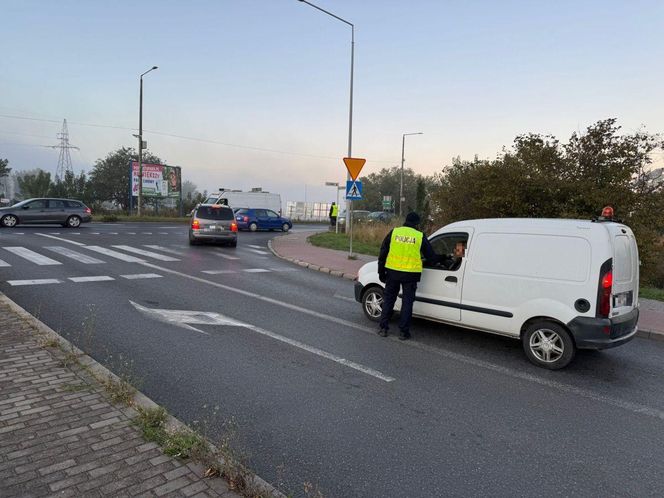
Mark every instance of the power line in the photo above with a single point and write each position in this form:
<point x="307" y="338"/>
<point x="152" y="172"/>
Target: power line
<point x="183" y="137"/>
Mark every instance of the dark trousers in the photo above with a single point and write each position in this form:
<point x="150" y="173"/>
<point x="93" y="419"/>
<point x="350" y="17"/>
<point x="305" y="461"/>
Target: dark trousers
<point x="389" y="298"/>
<point x="333" y="220"/>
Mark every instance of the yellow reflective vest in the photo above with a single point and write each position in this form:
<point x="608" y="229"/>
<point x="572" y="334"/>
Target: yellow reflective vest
<point x="404" y="252"/>
<point x="335" y="210"/>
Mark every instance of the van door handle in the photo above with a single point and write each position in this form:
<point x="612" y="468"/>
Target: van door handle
<point x="451" y="279"/>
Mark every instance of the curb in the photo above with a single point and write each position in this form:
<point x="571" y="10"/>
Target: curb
<point x="654" y="335"/>
<point x="97" y="369"/>
<point x="311" y="266"/>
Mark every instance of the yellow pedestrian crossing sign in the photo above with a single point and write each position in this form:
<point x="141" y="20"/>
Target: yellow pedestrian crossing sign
<point x="354" y="190"/>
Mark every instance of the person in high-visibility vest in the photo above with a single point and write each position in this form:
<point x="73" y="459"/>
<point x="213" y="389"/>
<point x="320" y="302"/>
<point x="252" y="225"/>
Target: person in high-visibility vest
<point x="400" y="266"/>
<point x="334" y="212"/>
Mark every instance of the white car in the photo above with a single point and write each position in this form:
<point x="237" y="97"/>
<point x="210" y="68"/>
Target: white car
<point x="557" y="285"/>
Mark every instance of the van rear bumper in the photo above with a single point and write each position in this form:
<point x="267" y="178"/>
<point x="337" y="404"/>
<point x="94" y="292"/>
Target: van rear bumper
<point x="603" y="333"/>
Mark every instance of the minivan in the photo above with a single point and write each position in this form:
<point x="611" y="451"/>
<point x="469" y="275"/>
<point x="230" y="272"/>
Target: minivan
<point x="557" y="285"/>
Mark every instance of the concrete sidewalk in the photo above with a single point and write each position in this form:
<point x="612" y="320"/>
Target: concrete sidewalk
<point x="294" y="247"/>
<point x="60" y="435"/>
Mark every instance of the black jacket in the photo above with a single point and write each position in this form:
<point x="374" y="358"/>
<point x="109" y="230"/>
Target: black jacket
<point x="404" y="276"/>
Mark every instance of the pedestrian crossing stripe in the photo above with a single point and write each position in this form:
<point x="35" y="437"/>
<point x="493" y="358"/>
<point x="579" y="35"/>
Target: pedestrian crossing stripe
<point x="32" y="256"/>
<point x="143" y="252"/>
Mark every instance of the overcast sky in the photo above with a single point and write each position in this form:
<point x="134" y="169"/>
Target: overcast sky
<point x="264" y="84"/>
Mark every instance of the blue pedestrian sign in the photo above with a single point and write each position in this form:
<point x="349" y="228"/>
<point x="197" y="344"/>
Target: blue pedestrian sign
<point x="353" y="190"/>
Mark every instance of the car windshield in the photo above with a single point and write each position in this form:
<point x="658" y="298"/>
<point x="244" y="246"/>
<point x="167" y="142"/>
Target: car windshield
<point x="214" y="213"/>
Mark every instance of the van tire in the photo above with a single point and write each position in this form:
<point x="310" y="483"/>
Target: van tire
<point x="548" y="344"/>
<point x="372" y="303"/>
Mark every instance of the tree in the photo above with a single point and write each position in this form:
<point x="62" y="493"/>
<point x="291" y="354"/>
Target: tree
<point x="4" y="172"/>
<point x="76" y="187"/>
<point x="36" y="183"/>
<point x="109" y="179"/>
<point x="387" y="182"/>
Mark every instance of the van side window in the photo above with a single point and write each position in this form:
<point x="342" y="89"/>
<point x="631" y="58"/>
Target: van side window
<point x="452" y="245"/>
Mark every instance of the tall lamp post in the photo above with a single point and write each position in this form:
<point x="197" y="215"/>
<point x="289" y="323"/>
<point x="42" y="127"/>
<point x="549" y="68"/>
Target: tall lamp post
<point x="403" y="147"/>
<point x="350" y="114"/>
<point x="140" y="141"/>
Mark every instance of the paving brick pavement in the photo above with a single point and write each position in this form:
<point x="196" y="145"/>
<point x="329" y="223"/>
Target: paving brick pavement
<point x="61" y="436"/>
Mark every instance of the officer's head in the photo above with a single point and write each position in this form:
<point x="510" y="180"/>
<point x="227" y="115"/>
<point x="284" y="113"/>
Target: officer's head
<point x="412" y="219"/>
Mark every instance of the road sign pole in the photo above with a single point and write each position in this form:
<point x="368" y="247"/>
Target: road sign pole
<point x="336" y="220"/>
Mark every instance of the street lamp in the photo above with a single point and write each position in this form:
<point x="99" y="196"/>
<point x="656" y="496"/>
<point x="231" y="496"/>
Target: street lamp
<point x="140" y="141"/>
<point x="403" y="146"/>
<point x="350" y="114"/>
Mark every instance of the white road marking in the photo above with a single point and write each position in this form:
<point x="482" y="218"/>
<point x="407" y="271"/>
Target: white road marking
<point x="345" y="298"/>
<point x="143" y="252"/>
<point x="32" y="256"/>
<point x="131" y="233"/>
<point x="34" y="282"/>
<point x="163" y="233"/>
<point x="183" y="318"/>
<point x="255" y="246"/>
<point x="165" y="249"/>
<point x="61" y="239"/>
<point x="225" y="256"/>
<point x="101" y="278"/>
<point x="256" y="251"/>
<point x="54" y="233"/>
<point x="112" y="233"/>
<point x="83" y="258"/>
<point x="256" y="270"/>
<point x="94" y="233"/>
<point x="74" y="233"/>
<point x="146" y="233"/>
<point x="3" y="263"/>
<point x="284" y="269"/>
<point x="138" y="276"/>
<point x="115" y="254"/>
<point x="218" y="272"/>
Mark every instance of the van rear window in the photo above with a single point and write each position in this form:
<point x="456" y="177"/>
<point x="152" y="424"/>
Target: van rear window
<point x="546" y="257"/>
<point x="214" y="213"/>
<point x="622" y="265"/>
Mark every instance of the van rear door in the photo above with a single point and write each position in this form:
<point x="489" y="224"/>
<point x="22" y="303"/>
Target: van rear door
<point x="625" y="291"/>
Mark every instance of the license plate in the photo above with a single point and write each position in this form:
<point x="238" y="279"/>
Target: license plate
<point x="212" y="227"/>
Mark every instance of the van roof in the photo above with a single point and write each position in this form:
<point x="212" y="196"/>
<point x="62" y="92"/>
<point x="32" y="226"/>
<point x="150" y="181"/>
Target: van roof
<point x="530" y="223"/>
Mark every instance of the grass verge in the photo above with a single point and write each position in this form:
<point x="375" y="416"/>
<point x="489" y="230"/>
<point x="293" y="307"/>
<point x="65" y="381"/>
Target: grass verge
<point x="651" y="293"/>
<point x="341" y="242"/>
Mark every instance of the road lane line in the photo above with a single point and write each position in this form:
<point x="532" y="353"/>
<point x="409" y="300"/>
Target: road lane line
<point x="34" y="282"/>
<point x="137" y="276"/>
<point x="284" y="269"/>
<point x="255" y="246"/>
<point x="3" y="264"/>
<point x="344" y="298"/>
<point x="61" y="239"/>
<point x="115" y="254"/>
<point x="143" y="252"/>
<point x="165" y="249"/>
<point x="256" y="270"/>
<point x="101" y="278"/>
<point x="32" y="256"/>
<point x="68" y="253"/>
<point x="218" y="272"/>
<point x="225" y="256"/>
<point x="256" y="251"/>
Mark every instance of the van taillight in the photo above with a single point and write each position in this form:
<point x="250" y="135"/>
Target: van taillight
<point x="604" y="302"/>
<point x="233" y="227"/>
<point x="196" y="225"/>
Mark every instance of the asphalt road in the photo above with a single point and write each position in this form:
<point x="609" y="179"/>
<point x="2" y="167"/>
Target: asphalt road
<point x="315" y="396"/>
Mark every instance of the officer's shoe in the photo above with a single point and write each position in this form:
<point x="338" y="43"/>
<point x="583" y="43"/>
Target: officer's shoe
<point x="382" y="332"/>
<point x="404" y="336"/>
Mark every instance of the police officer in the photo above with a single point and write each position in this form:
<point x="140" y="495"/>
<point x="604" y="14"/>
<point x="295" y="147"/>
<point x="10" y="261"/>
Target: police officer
<point x="334" y="212"/>
<point x="400" y="266"/>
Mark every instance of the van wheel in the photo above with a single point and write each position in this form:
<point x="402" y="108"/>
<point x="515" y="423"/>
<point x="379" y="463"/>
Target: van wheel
<point x="548" y="345"/>
<point x="253" y="227"/>
<point x="372" y="303"/>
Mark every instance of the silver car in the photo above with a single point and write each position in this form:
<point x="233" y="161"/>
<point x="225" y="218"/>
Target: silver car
<point x="66" y="212"/>
<point x="213" y="223"/>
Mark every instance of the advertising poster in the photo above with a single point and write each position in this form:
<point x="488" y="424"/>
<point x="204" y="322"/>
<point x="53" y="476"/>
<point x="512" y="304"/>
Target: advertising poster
<point x="158" y="180"/>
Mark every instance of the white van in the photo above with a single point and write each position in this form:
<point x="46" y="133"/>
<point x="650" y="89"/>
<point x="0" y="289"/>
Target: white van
<point x="256" y="199"/>
<point x="557" y="285"/>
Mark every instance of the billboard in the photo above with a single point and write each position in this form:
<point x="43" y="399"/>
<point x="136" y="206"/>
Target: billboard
<point x="159" y="180"/>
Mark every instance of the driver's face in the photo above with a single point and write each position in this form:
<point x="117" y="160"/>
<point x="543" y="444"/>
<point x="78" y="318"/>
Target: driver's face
<point x="459" y="250"/>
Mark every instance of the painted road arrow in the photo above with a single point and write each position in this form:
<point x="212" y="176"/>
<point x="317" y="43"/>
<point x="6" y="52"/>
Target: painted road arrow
<point x="184" y="319"/>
